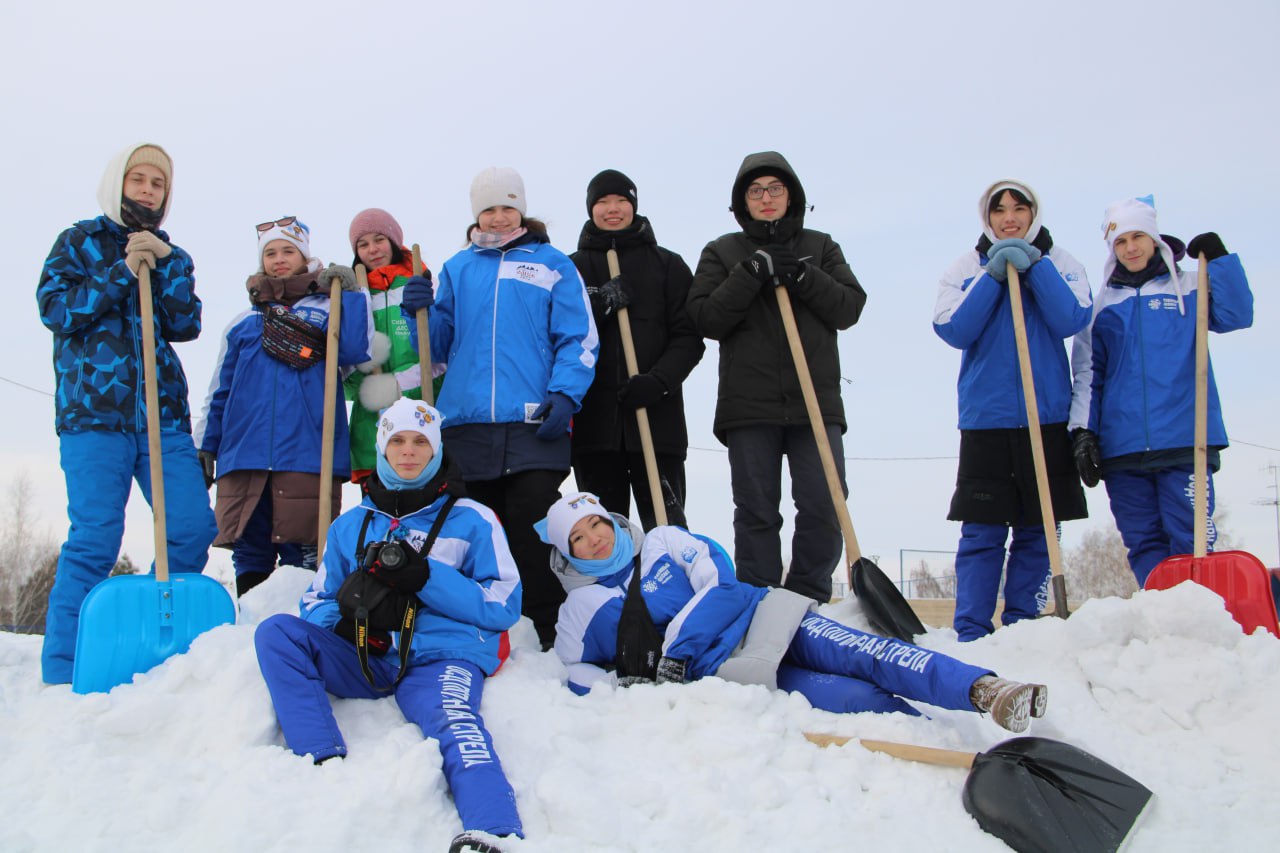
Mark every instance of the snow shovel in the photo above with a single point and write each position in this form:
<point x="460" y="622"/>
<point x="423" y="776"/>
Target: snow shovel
<point x="328" y="426"/>
<point x="1035" y="794"/>
<point x="424" y="339"/>
<point x="1237" y="576"/>
<point x="131" y="623"/>
<point x="887" y="610"/>
<point x="642" y="416"/>
<point x="1037" y="446"/>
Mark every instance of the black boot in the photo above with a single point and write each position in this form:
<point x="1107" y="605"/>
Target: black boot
<point x="248" y="580"/>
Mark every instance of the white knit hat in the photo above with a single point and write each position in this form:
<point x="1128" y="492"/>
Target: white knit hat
<point x="1133" y="214"/>
<point x="405" y="415"/>
<point x="497" y="186"/>
<point x="564" y="514"/>
<point x="994" y="191"/>
<point x="295" y="232"/>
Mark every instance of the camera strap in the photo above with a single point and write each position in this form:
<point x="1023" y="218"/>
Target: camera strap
<point x="408" y="620"/>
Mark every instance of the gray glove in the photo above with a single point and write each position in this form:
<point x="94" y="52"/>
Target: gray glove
<point x="345" y="274"/>
<point x="671" y="669"/>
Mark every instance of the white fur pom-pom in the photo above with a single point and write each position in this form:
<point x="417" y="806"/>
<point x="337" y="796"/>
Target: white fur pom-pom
<point x="378" y="391"/>
<point x="381" y="349"/>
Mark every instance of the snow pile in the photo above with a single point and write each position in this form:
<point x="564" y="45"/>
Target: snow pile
<point x="188" y="757"/>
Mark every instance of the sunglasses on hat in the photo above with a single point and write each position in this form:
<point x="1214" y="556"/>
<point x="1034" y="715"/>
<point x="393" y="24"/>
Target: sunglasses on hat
<point x="264" y="227"/>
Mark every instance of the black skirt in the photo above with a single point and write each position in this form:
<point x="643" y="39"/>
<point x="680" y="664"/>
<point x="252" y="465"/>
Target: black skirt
<point x="996" y="482"/>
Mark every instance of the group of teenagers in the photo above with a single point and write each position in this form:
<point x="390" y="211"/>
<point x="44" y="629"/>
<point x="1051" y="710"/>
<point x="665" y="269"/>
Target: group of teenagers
<point x="462" y="528"/>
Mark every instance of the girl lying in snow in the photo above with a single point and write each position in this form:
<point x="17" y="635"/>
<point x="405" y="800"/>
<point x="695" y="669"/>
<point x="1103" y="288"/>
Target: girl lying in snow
<point x="698" y="619"/>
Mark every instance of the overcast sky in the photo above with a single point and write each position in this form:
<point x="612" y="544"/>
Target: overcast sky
<point x="895" y="117"/>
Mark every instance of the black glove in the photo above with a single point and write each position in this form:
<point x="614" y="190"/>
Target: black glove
<point x="1084" y="445"/>
<point x="612" y="295"/>
<point x="398" y="565"/>
<point x="207" y="461"/>
<point x="760" y="265"/>
<point x="1209" y="243"/>
<point x="671" y="669"/>
<point x="642" y="391"/>
<point x="379" y="642"/>
<point x="785" y="263"/>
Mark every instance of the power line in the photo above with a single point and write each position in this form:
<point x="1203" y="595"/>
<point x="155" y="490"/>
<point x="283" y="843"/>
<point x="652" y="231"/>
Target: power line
<point x="27" y="387"/>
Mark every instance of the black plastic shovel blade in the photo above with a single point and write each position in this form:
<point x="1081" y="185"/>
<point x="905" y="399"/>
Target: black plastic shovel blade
<point x="1046" y="796"/>
<point x="888" y="611"/>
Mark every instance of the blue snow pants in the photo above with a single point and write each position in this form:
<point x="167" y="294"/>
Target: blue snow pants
<point x="303" y="662"/>
<point x="979" y="563"/>
<point x="1153" y="511"/>
<point x="842" y="669"/>
<point x="100" y="467"/>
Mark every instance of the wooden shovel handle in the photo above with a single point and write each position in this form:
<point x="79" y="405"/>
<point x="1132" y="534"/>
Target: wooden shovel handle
<point x="1037" y="444"/>
<point x="852" y="552"/>
<point x="911" y="752"/>
<point x="330" y="402"/>
<point x="1200" y="495"/>
<point x="642" y="415"/>
<point x="152" y="394"/>
<point x="424" y="339"/>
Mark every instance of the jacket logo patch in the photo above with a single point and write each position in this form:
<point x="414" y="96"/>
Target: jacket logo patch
<point x="648" y="586"/>
<point x="688" y="554"/>
<point x="526" y="272"/>
<point x="1168" y="303"/>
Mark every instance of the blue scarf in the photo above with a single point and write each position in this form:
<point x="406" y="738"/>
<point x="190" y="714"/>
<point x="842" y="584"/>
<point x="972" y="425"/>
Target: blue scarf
<point x="395" y="482"/>
<point x="624" y="552"/>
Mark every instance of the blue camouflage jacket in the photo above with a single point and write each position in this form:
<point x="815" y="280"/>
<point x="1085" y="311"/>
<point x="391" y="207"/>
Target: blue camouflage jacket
<point x="88" y="298"/>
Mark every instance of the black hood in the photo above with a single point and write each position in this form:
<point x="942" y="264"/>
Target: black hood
<point x="768" y="163"/>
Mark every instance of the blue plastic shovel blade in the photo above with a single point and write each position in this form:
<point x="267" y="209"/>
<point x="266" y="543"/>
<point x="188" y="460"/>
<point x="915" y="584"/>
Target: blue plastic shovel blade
<point x="131" y="623"/>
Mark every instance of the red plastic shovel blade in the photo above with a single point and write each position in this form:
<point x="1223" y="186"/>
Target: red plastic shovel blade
<point x="1237" y="576"/>
<point x="131" y="623"/>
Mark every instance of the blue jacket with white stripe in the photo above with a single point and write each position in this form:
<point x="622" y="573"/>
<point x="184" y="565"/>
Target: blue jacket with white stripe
<point x="471" y="598"/>
<point x="1135" y="365"/>
<point x="689" y="588"/>
<point x="973" y="313"/>
<point x="513" y="324"/>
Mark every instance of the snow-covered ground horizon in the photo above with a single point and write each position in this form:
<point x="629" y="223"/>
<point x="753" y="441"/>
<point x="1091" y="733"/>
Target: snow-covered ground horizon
<point x="1163" y="686"/>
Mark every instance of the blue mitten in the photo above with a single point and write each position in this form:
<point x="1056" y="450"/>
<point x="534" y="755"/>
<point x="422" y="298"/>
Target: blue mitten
<point x="417" y="295"/>
<point x="1032" y="252"/>
<point x="1016" y="251"/>
<point x="998" y="262"/>
<point x="555" y="411"/>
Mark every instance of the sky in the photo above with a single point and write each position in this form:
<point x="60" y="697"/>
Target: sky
<point x="1163" y="687"/>
<point x="894" y="116"/>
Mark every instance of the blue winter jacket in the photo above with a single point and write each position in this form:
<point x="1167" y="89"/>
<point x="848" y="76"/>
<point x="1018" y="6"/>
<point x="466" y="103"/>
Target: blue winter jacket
<point x="471" y="598"/>
<point x="513" y="325"/>
<point x="689" y="588"/>
<point x="263" y="415"/>
<point x="1135" y="365"/>
<point x="88" y="298"/>
<point x="973" y="313"/>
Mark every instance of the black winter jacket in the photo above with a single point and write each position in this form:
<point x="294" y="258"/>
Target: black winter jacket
<point x="666" y="343"/>
<point x="758" y="382"/>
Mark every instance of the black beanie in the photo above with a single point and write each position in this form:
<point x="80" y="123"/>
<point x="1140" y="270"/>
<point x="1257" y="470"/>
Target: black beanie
<point x="610" y="182"/>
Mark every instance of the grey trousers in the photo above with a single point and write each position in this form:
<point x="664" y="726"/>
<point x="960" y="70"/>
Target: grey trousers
<point x="755" y="465"/>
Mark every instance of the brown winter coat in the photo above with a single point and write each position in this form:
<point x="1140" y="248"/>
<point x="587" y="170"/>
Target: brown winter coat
<point x="295" y="505"/>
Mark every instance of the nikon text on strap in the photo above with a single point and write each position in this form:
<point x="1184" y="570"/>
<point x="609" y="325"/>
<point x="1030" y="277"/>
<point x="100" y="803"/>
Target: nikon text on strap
<point x="408" y="621"/>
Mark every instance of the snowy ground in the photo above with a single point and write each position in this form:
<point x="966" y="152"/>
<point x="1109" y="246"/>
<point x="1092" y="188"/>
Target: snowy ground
<point x="188" y="757"/>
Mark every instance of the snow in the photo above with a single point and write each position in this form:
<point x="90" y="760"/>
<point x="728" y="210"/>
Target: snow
<point x="188" y="757"/>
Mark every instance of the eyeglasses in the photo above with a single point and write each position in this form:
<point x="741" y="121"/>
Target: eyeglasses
<point x="774" y="190"/>
<point x="264" y="227"/>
